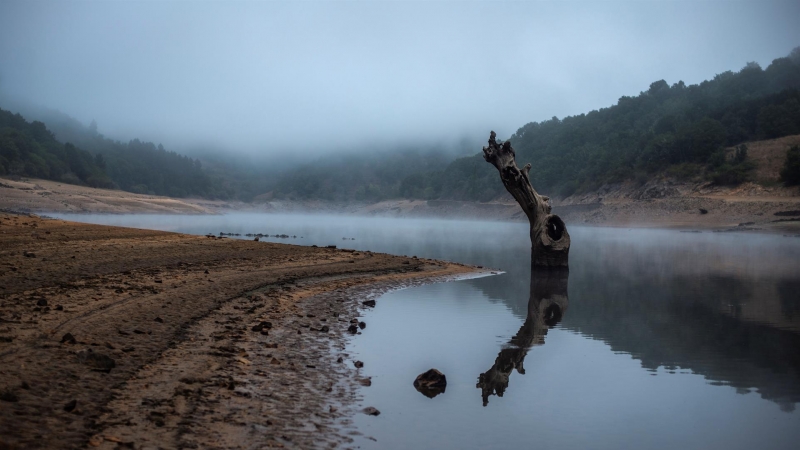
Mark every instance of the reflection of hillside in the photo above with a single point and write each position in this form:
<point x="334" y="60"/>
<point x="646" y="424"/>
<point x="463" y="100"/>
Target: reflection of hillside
<point x="730" y="315"/>
<point x="696" y="323"/>
<point x="548" y="301"/>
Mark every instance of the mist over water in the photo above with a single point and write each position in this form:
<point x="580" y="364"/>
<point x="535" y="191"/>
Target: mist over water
<point x="654" y="339"/>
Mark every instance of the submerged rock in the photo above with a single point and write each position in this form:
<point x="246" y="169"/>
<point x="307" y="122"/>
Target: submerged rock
<point x="431" y="383"/>
<point x="371" y="411"/>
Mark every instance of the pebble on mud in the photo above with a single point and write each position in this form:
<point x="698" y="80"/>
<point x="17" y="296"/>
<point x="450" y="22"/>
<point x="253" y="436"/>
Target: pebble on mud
<point x="41" y="302"/>
<point x="69" y="407"/>
<point x="98" y="361"/>
<point x="262" y="326"/>
<point x="358" y="364"/>
<point x="362" y="325"/>
<point x="352" y="329"/>
<point x="8" y="396"/>
<point x="68" y="339"/>
<point x="370" y="303"/>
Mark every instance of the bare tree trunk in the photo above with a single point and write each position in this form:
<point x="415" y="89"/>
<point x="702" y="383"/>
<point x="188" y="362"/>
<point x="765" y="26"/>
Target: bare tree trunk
<point x="549" y="237"/>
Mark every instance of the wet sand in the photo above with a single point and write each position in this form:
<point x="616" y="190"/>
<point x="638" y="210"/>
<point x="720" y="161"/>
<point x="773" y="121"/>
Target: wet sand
<point x="116" y="337"/>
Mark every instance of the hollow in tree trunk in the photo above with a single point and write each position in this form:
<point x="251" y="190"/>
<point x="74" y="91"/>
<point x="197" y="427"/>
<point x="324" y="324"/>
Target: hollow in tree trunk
<point x="549" y="237"/>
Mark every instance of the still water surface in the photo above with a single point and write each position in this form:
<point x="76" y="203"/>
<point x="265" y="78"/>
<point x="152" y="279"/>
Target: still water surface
<point x="655" y="339"/>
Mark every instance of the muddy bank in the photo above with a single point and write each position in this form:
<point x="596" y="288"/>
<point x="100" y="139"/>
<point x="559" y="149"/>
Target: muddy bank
<point x="661" y="203"/>
<point x="115" y="335"/>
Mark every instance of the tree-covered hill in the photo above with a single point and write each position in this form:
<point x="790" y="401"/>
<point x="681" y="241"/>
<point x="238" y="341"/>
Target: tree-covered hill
<point x="136" y="166"/>
<point x="361" y="177"/>
<point x="678" y="128"/>
<point x="30" y="149"/>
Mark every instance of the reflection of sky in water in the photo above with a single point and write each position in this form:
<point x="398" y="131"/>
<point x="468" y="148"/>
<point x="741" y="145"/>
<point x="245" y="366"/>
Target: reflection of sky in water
<point x="662" y="330"/>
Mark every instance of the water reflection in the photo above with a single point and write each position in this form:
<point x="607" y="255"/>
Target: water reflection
<point x="547" y="305"/>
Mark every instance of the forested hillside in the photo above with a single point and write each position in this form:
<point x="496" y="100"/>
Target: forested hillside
<point x="679" y="129"/>
<point x="30" y="149"/>
<point x="364" y="177"/>
<point x="136" y="166"/>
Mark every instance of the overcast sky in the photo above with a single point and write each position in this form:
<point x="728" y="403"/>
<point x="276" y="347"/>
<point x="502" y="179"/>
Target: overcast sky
<point x="313" y="76"/>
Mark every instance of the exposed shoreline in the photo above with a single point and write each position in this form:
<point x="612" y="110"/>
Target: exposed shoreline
<point x="657" y="204"/>
<point x="175" y="313"/>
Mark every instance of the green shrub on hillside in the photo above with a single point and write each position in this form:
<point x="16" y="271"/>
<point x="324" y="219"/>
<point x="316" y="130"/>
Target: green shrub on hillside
<point x="790" y="174"/>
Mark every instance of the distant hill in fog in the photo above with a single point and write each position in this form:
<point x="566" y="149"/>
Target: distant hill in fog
<point x="676" y="129"/>
<point x="63" y="149"/>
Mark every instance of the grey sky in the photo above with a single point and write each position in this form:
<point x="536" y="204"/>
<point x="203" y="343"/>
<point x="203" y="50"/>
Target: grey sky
<point x="312" y="76"/>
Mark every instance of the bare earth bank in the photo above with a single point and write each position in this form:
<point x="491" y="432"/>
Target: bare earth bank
<point x="124" y="337"/>
<point x="660" y="203"/>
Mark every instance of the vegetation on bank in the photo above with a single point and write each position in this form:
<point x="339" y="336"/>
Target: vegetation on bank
<point x="30" y="149"/>
<point x="679" y="129"/>
<point x="790" y="174"/>
<point x="87" y="157"/>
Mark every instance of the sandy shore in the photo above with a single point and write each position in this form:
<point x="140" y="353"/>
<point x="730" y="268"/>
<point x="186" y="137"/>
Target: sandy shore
<point x="122" y="337"/>
<point x="658" y="204"/>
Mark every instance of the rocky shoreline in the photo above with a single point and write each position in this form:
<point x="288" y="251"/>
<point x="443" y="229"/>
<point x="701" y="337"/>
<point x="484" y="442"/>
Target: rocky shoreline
<point x="659" y="203"/>
<point x="121" y="337"/>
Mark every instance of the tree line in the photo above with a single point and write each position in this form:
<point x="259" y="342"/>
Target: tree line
<point x="678" y="129"/>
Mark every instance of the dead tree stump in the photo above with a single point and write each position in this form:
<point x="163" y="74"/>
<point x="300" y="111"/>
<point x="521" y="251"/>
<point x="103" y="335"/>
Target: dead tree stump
<point x="549" y="237"/>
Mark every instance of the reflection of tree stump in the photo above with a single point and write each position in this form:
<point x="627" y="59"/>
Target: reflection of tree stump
<point x="549" y="237"/>
<point x="547" y="304"/>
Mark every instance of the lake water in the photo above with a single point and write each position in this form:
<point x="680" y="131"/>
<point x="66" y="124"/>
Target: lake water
<point x="655" y="339"/>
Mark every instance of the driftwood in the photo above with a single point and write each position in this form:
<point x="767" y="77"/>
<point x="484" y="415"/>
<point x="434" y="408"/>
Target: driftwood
<point x="546" y="307"/>
<point x="549" y="237"/>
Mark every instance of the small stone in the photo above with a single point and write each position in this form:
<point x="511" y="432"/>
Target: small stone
<point x="370" y="303"/>
<point x="206" y="272"/>
<point x="25" y="385"/>
<point x="41" y="302"/>
<point x="339" y="360"/>
<point x="68" y="339"/>
<point x="431" y="383"/>
<point x="358" y="364"/>
<point x="371" y="411"/>
<point x="324" y="329"/>
<point x="69" y="407"/>
<point x="365" y="381"/>
<point x="362" y="325"/>
<point x="159" y="320"/>
<point x="59" y="308"/>
<point x="352" y="329"/>
<point x="8" y="396"/>
<point x="98" y="361"/>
